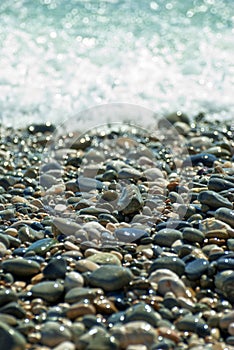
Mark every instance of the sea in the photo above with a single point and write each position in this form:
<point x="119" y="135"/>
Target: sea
<point x="59" y="58"/>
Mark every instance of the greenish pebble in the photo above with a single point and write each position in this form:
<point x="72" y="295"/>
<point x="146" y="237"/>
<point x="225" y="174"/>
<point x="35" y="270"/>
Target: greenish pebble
<point x="54" y="333"/>
<point x="11" y="339"/>
<point x="110" y="277"/>
<point x="50" y="291"/>
<point x="21" y="267"/>
<point x="142" y="312"/>
<point x="79" y="294"/>
<point x="104" y="259"/>
<point x="42" y="246"/>
<point x="193" y="235"/>
<point x="226" y="215"/>
<point x="166" y="237"/>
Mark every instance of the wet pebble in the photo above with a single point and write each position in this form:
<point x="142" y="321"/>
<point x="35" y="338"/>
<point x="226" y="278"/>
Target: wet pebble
<point x="21" y="267"/>
<point x="110" y="278"/>
<point x="50" y="291"/>
<point x="196" y="268"/>
<point x="10" y="338"/>
<point x="214" y="200"/>
<point x="166" y="237"/>
<point x="54" y="333"/>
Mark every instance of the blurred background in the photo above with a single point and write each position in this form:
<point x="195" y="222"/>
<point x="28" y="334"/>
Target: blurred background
<point x="59" y="57"/>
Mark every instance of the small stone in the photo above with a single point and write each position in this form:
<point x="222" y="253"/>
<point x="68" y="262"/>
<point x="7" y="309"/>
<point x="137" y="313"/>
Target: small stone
<point x="129" y="234"/>
<point x="56" y="268"/>
<point x="72" y="280"/>
<point x="130" y="200"/>
<point x="226" y="215"/>
<point x="133" y="333"/>
<point x="201" y="158"/>
<point x="196" y="268"/>
<point x="166" y="237"/>
<point x="142" y="312"/>
<point x="7" y="214"/>
<point x="177" y="287"/>
<point x="66" y="226"/>
<point x="98" y="338"/>
<point x="79" y="310"/>
<point x="10" y="338"/>
<point x="42" y="246"/>
<point x="129" y="173"/>
<point x="110" y="277"/>
<point x="104" y="259"/>
<point x="214" y="200"/>
<point x="54" y="333"/>
<point x="21" y="267"/>
<point x="193" y="235"/>
<point x="79" y="294"/>
<point x="218" y="184"/>
<point x="66" y="345"/>
<point x="87" y="184"/>
<point x="50" y="291"/>
<point x="169" y="262"/>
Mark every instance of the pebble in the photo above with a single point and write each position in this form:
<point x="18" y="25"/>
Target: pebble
<point x="193" y="235"/>
<point x="201" y="158"/>
<point x="219" y="184"/>
<point x="54" y="333"/>
<point x="80" y="309"/>
<point x="226" y="215"/>
<point x="50" y="291"/>
<point x="133" y="333"/>
<point x="166" y="237"/>
<point x="130" y="200"/>
<point x="56" y="268"/>
<point x="42" y="246"/>
<point x="98" y="338"/>
<point x="21" y="267"/>
<point x="10" y="338"/>
<point x="79" y="294"/>
<point x="72" y="280"/>
<point x="104" y="259"/>
<point x="196" y="268"/>
<point x="169" y="262"/>
<point x="110" y="277"/>
<point x="129" y="234"/>
<point x="142" y="312"/>
<point x="214" y="200"/>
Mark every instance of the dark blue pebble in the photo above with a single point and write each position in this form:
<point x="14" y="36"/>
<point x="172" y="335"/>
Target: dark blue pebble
<point x="168" y="262"/>
<point x="226" y="262"/>
<point x="36" y="258"/>
<point x="205" y="158"/>
<point x="117" y="317"/>
<point x="37" y="226"/>
<point x="19" y="251"/>
<point x="196" y="268"/>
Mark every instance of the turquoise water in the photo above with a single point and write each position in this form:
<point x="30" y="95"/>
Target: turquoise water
<point x="59" y="57"/>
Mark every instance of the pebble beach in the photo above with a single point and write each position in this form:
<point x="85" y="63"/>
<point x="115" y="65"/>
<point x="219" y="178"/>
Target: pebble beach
<point x="119" y="238"/>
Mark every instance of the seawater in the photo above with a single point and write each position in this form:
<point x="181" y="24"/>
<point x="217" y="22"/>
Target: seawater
<point x="59" y="57"/>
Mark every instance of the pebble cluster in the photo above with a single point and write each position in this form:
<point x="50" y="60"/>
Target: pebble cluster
<point x="123" y="239"/>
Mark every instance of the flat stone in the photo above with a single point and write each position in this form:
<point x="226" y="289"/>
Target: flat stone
<point x="133" y="333"/>
<point x="7" y="214"/>
<point x="54" y="333"/>
<point x="21" y="267"/>
<point x="169" y="262"/>
<point x="87" y="184"/>
<point x="214" y="200"/>
<point x="79" y="310"/>
<point x="129" y="173"/>
<point x="191" y="323"/>
<point x="50" y="291"/>
<point x="66" y="226"/>
<point x="78" y="294"/>
<point x="110" y="277"/>
<point x="130" y="234"/>
<point x="42" y="246"/>
<point x="14" y="309"/>
<point x="177" y="287"/>
<point x="10" y="338"/>
<point x="196" y="268"/>
<point x="193" y="235"/>
<point x="218" y="184"/>
<point x="142" y="312"/>
<point x="226" y="215"/>
<point x="166" y="237"/>
<point x="104" y="259"/>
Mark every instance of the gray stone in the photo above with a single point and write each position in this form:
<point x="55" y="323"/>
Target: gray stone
<point x="130" y="200"/>
<point x="21" y="267"/>
<point x="166" y="237"/>
<point x="10" y="338"/>
<point x="226" y="215"/>
<point x="50" y="291"/>
<point x="214" y="200"/>
<point x="110" y="277"/>
<point x="54" y="333"/>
